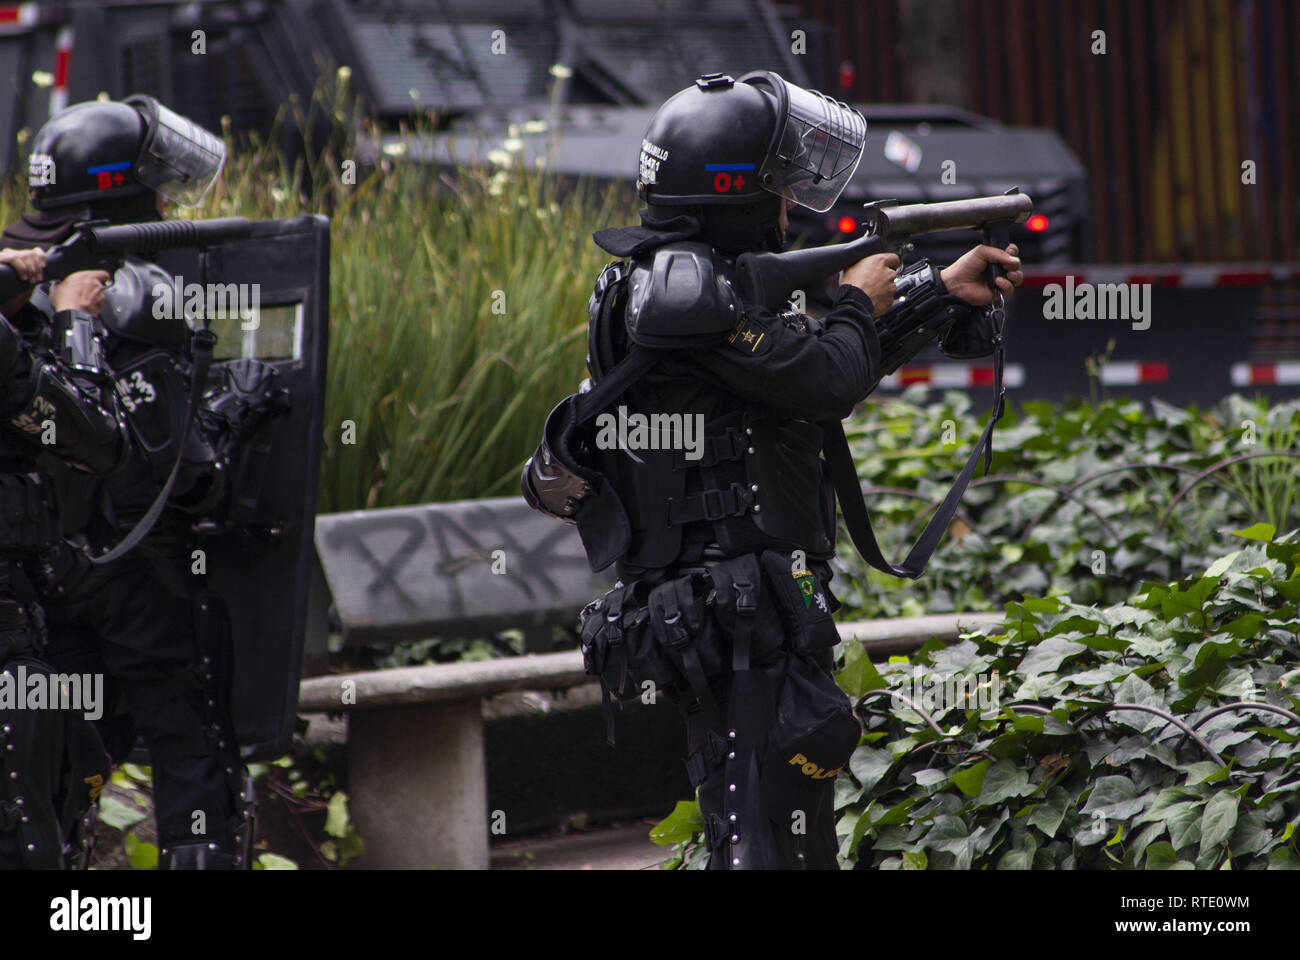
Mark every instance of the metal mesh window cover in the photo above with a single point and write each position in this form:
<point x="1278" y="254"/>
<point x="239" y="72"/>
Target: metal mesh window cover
<point x="453" y="66"/>
<point x="660" y="47"/>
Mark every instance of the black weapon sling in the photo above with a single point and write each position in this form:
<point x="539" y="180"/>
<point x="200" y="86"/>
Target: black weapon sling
<point x="848" y="488"/>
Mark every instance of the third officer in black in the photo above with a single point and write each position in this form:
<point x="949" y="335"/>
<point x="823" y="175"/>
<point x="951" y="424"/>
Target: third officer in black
<point x="147" y="618"/>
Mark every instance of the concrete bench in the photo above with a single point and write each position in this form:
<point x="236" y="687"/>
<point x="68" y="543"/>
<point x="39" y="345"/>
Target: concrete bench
<point x="417" y="769"/>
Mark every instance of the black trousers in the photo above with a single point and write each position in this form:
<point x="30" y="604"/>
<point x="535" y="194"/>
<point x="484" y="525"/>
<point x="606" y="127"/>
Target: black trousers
<point x="139" y="628"/>
<point x="771" y="835"/>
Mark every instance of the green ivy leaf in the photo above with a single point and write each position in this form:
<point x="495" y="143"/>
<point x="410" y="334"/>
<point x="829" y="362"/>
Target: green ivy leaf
<point x="1115" y="798"/>
<point x="1263" y="532"/>
<point x="869" y="766"/>
<point x="1047" y="816"/>
<point x="142" y="855"/>
<point x="336" y="815"/>
<point x="1183" y="822"/>
<point x="1220" y="819"/>
<point x="971" y="780"/>
<point x="117" y="814"/>
<point x="1021" y="856"/>
<point x="1246" y="626"/>
<point x="273" y="861"/>
<point x="895" y="814"/>
<point x="683" y="823"/>
<point x="915" y="861"/>
<point x="1003" y="781"/>
<point x="859" y="674"/>
<point x="1047" y="656"/>
<point x="1160" y="856"/>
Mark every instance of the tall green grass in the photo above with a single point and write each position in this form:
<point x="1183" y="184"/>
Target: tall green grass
<point x="457" y="306"/>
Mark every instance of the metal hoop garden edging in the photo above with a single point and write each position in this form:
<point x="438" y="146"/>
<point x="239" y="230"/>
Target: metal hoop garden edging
<point x="1105" y="708"/>
<point x="1069" y="491"/>
<point x="961" y="514"/>
<point x="985" y="481"/>
<point x="1245" y="705"/>
<point x="1221" y="465"/>
<point x="1105" y="472"/>
<point x="885" y="691"/>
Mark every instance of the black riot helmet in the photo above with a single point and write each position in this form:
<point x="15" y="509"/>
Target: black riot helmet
<point x="107" y="151"/>
<point x="735" y="148"/>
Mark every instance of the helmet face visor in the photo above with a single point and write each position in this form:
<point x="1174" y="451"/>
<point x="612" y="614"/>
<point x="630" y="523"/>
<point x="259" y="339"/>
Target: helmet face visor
<point x="817" y="148"/>
<point x="179" y="159"/>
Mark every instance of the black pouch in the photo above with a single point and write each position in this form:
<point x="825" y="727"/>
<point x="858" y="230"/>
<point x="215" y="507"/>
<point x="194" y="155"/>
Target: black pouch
<point x="806" y="603"/>
<point x="813" y="737"/>
<point x="641" y="639"/>
<point x="687" y="637"/>
<point x="969" y="337"/>
<point x="738" y="585"/>
<point x="615" y="635"/>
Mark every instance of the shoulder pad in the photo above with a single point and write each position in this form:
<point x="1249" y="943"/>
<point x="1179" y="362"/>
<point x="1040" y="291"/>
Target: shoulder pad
<point x="129" y="306"/>
<point x="681" y="295"/>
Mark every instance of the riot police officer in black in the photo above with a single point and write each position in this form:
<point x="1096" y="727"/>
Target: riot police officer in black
<point x="58" y="407"/>
<point x="147" y="617"/>
<point x="722" y="547"/>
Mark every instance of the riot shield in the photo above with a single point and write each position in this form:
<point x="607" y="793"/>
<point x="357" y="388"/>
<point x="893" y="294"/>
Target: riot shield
<point x="272" y="305"/>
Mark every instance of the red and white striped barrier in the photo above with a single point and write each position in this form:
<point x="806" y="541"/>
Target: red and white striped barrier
<point x="1263" y="374"/>
<point x="1195" y="276"/>
<point x="62" y="57"/>
<point x="958" y="376"/>
<point x="15" y="17"/>
<point x="1132" y="373"/>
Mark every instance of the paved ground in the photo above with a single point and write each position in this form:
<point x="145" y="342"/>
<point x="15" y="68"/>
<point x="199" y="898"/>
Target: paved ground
<point x="619" y="847"/>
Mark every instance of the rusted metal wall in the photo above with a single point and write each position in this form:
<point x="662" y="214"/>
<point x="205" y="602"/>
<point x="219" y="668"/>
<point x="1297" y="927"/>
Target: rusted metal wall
<point x="1186" y="92"/>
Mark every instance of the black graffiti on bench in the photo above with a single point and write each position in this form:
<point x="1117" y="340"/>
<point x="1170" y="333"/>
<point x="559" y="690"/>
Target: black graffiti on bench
<point x="463" y="542"/>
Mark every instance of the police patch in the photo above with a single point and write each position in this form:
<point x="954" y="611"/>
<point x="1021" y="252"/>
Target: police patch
<point x="749" y="337"/>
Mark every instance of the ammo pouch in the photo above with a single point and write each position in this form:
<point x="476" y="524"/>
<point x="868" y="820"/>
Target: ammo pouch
<point x="152" y="390"/>
<point x="805" y="603"/>
<point x="642" y="638"/>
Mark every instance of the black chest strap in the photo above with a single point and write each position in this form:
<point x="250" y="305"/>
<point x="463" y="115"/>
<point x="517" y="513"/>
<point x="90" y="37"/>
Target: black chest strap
<point x="622" y="375"/>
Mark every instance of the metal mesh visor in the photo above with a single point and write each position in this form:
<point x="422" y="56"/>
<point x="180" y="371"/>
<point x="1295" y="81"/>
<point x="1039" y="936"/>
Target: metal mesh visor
<point x="817" y="152"/>
<point x="179" y="158"/>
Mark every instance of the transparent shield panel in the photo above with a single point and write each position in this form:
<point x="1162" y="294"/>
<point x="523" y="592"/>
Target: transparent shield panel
<point x="260" y="333"/>
<point x="818" y="152"/>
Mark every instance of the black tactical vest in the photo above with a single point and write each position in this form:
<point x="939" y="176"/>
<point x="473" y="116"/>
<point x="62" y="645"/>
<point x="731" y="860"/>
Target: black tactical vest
<point x="752" y="481"/>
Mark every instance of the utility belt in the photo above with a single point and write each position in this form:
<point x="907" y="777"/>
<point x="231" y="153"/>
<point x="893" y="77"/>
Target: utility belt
<point x="686" y="636"/>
